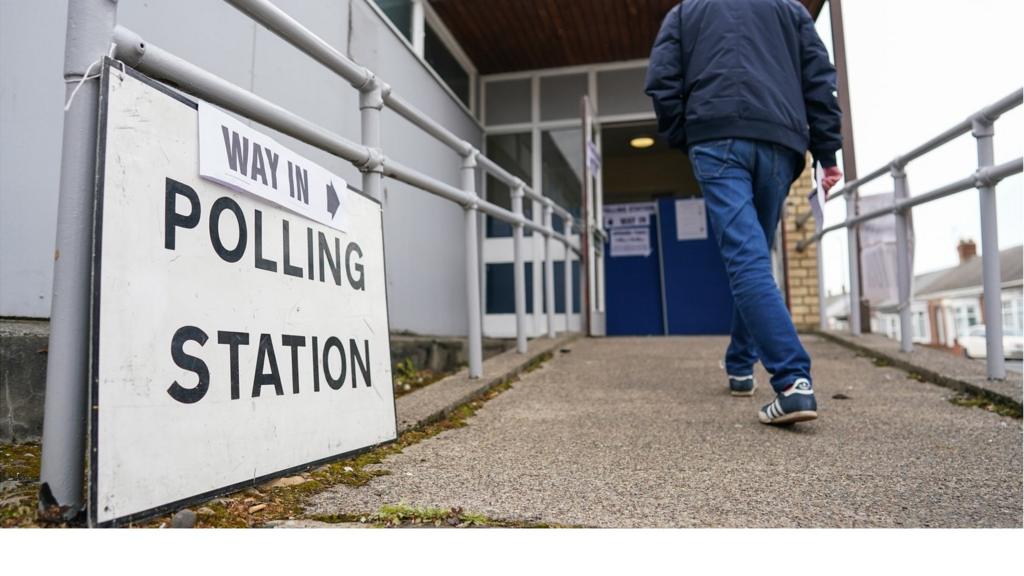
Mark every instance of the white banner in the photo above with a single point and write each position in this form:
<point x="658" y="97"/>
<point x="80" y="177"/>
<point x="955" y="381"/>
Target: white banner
<point x="878" y="250"/>
<point x="233" y="339"/>
<point x="633" y="214"/>
<point x="232" y="154"/>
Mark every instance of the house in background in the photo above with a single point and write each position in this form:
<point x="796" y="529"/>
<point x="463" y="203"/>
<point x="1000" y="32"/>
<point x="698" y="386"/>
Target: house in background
<point x="948" y="302"/>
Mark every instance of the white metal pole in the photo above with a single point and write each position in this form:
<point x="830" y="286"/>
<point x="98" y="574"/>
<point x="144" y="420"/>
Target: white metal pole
<point x="371" y="101"/>
<point x="419" y="27"/>
<point x="991" y="274"/>
<point x="549" y="268"/>
<point x="822" y="301"/>
<point x="90" y="29"/>
<point x="568" y="275"/>
<point x="474" y="335"/>
<point x="904" y="273"/>
<point x="851" y="243"/>
<point x="519" y="270"/>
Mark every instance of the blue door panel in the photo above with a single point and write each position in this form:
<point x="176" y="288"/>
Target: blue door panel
<point x="632" y="292"/>
<point x="696" y="286"/>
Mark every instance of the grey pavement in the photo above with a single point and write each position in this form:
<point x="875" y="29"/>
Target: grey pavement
<point x="951" y="370"/>
<point x="641" y="432"/>
<point x="432" y="402"/>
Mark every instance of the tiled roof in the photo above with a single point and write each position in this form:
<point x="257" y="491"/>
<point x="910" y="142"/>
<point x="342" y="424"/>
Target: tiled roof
<point x="968" y="274"/>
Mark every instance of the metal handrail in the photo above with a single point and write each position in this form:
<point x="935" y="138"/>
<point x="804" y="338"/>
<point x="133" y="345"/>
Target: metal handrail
<point x="988" y="114"/>
<point x="984" y="179"/>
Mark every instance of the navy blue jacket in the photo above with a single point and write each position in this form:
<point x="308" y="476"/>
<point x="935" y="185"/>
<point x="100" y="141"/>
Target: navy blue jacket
<point x="744" y="69"/>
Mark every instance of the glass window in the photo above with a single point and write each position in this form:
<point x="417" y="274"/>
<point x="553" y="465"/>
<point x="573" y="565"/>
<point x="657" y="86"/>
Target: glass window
<point x="1013" y="314"/>
<point x="622" y="92"/>
<point x="446" y="65"/>
<point x="513" y="152"/>
<point x="920" y="329"/>
<point x="560" y="96"/>
<point x="508" y="102"/>
<point x="966" y="316"/>
<point x="400" y="14"/>
<point x="562" y="168"/>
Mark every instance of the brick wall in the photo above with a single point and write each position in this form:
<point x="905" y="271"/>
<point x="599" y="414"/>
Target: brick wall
<point x="802" y="267"/>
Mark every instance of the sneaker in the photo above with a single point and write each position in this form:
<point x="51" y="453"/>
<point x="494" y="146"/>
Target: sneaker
<point x="742" y="385"/>
<point x="794" y="404"/>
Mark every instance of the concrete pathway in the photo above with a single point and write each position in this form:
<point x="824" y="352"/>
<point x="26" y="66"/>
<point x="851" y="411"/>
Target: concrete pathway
<point x="641" y="432"/>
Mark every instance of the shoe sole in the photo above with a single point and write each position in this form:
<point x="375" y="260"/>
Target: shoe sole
<point x="743" y="394"/>
<point x="800" y="416"/>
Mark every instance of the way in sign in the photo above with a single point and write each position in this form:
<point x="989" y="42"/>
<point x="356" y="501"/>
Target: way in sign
<point x="235" y="155"/>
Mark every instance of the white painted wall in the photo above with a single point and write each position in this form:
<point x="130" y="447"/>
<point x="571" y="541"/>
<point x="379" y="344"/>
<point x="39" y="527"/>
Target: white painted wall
<point x="423" y="234"/>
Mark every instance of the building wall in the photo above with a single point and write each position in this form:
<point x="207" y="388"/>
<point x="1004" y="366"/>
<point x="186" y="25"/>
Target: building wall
<point x="423" y="234"/>
<point x="802" y="267"/>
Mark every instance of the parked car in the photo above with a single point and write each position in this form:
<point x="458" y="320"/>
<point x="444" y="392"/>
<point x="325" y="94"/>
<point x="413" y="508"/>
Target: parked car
<point x="974" y="343"/>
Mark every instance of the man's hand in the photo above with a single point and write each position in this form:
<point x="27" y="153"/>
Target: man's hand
<point x="832" y="175"/>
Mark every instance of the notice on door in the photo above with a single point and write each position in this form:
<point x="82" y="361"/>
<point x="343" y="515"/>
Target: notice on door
<point x="691" y="219"/>
<point x="234" y="337"/>
<point x="630" y="242"/>
<point x="625" y="215"/>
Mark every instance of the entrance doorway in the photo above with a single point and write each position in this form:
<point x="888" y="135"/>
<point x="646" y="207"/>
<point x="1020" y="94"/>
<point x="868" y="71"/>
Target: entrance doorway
<point x="663" y="271"/>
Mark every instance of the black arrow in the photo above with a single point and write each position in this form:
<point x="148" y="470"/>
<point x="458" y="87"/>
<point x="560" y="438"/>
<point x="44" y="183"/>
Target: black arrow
<point x="332" y="199"/>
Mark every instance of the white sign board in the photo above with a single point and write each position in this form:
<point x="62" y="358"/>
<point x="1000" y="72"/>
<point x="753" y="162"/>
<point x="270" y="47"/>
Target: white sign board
<point x="817" y="199"/>
<point x="630" y="242"/>
<point x="632" y="214"/>
<point x="233" y="339"/>
<point x="691" y="219"/>
<point x="593" y="156"/>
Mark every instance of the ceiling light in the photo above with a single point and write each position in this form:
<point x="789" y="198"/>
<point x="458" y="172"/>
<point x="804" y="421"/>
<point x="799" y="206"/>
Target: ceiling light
<point x="642" y="142"/>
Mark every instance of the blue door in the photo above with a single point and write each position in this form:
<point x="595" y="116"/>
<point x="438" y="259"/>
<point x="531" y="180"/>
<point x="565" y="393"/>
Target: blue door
<point x="632" y="284"/>
<point x="697" y="292"/>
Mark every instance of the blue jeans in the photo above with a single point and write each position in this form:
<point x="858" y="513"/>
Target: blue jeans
<point x="745" y="183"/>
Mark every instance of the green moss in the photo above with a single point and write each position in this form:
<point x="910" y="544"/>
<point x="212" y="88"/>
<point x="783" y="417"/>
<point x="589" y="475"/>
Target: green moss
<point x="19" y="484"/>
<point x="403" y="516"/>
<point x="977" y="401"/>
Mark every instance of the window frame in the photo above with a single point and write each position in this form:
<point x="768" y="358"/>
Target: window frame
<point x="422" y="16"/>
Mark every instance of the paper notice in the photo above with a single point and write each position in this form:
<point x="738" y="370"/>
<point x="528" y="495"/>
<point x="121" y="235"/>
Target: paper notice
<point x="691" y="219"/>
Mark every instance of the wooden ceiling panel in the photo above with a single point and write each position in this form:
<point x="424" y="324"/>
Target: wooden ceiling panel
<point x="510" y="35"/>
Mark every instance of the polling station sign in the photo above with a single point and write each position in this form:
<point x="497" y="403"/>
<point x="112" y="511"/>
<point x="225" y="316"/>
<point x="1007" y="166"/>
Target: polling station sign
<point x="235" y="337"/>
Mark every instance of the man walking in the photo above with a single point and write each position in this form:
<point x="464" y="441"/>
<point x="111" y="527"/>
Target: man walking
<point x="746" y="87"/>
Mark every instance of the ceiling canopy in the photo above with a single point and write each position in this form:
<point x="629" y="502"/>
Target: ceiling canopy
<point x="511" y="35"/>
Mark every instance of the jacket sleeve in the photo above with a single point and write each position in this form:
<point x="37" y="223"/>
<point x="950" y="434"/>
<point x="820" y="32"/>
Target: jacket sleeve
<point x="819" y="85"/>
<point x="664" y="82"/>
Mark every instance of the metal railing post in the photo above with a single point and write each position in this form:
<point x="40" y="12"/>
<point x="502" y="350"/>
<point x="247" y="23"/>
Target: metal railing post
<point x="549" y="267"/>
<point x="519" y="269"/>
<point x="474" y="335"/>
<point x="568" y="274"/>
<point x="822" y="301"/>
<point x="90" y="29"/>
<point x="854" y="255"/>
<point x="371" y="102"/>
<point x="904" y="273"/>
<point x="982" y="130"/>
